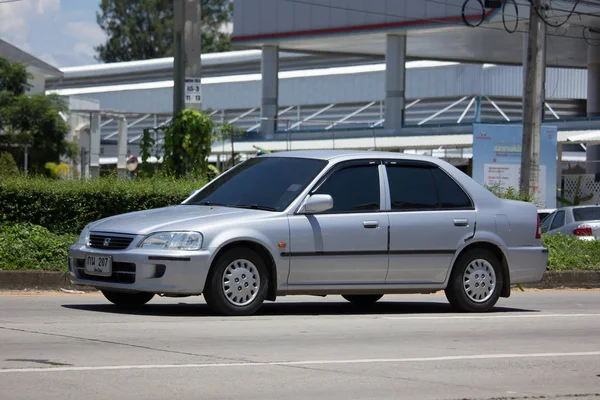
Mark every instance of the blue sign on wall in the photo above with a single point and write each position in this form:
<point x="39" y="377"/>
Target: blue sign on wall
<point x="497" y="158"/>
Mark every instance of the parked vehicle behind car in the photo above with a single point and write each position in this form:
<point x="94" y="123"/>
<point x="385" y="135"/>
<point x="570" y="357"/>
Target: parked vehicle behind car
<point x="543" y="213"/>
<point x="356" y="224"/>
<point x="580" y="221"/>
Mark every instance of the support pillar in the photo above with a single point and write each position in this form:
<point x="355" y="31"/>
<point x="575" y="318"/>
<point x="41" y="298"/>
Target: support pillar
<point x="592" y="152"/>
<point x="122" y="149"/>
<point x="270" y="91"/>
<point x="395" y="82"/>
<point x="94" y="145"/>
<point x="524" y="63"/>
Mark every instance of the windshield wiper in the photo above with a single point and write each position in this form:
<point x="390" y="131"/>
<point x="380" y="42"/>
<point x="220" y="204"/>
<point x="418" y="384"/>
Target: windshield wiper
<point x="209" y="203"/>
<point x="255" y="207"/>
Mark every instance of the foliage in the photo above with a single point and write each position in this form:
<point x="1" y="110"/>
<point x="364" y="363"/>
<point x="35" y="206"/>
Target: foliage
<point x="31" y="247"/>
<point x="188" y="141"/>
<point x="66" y="206"/>
<point x="8" y="166"/>
<point x="571" y="253"/>
<point x="511" y="193"/>
<point x="30" y="120"/>
<point x="57" y="170"/>
<point x="144" y="29"/>
<point x="229" y="132"/>
<point x="576" y="199"/>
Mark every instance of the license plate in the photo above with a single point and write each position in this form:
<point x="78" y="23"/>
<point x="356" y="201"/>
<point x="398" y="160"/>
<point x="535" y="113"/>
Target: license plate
<point x="98" y="265"/>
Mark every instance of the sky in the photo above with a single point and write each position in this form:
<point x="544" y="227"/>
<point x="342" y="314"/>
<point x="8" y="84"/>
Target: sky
<point x="63" y="33"/>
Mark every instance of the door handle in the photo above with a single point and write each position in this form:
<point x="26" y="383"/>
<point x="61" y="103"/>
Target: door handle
<point x="371" y="224"/>
<point x="461" y="222"/>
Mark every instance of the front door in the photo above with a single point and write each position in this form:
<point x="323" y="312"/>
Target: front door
<point x="347" y="244"/>
<point x="430" y="217"/>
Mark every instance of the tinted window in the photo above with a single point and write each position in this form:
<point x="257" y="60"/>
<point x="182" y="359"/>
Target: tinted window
<point x="586" y="214"/>
<point x="353" y="188"/>
<point x="451" y="195"/>
<point x="261" y="182"/>
<point x="545" y="225"/>
<point x="412" y="188"/>
<point x="558" y="221"/>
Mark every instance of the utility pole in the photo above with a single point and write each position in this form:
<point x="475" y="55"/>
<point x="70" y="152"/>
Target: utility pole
<point x="187" y="92"/>
<point x="534" y="94"/>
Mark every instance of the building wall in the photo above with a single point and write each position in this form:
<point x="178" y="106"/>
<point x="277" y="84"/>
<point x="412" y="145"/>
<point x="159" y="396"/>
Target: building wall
<point x="259" y="17"/>
<point x="355" y="84"/>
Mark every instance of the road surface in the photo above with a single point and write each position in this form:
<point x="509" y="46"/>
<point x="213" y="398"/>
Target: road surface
<point x="406" y="347"/>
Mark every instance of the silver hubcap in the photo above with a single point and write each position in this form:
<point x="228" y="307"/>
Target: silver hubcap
<point x="479" y="281"/>
<point x="241" y="282"/>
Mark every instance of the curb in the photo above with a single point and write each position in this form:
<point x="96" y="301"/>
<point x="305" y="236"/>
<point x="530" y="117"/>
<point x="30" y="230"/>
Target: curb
<point x="46" y="280"/>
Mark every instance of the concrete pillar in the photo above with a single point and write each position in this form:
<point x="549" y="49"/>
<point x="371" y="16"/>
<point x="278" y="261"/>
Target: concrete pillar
<point x="270" y="90"/>
<point x="524" y="63"/>
<point x="395" y="81"/>
<point x="593" y="106"/>
<point x="122" y="149"/>
<point x="94" y="145"/>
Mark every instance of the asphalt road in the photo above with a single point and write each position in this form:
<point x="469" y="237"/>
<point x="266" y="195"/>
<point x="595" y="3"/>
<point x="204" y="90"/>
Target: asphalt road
<point x="406" y="347"/>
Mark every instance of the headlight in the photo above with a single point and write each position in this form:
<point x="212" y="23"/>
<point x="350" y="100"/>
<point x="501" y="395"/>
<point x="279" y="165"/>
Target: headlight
<point x="84" y="237"/>
<point x="173" y="241"/>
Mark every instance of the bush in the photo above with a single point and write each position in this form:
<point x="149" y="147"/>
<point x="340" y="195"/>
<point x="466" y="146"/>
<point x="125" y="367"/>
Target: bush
<point x="8" y="166"/>
<point x="66" y="206"/>
<point x="571" y="253"/>
<point x="31" y="247"/>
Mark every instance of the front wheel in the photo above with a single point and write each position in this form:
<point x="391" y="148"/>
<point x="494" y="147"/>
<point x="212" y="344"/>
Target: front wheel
<point x="238" y="283"/>
<point x="476" y="282"/>
<point x="362" y="299"/>
<point x="127" y="300"/>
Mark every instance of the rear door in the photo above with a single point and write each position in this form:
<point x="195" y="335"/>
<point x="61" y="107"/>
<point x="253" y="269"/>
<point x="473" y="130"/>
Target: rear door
<point x="430" y="217"/>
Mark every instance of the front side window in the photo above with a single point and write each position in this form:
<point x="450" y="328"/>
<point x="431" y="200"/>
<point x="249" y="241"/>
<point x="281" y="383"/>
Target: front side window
<point x="269" y="183"/>
<point x="353" y="189"/>
<point x="559" y="220"/>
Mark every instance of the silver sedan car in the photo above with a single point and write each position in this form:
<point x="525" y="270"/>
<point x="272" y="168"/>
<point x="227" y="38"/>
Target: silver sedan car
<point x="356" y="224"/>
<point x="579" y="221"/>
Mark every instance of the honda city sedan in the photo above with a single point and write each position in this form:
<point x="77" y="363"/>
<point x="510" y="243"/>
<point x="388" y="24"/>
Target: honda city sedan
<point x="356" y="224"/>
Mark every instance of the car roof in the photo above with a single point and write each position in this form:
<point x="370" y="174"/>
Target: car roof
<point x="349" y="155"/>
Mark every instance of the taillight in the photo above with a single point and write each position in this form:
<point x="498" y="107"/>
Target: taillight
<point x="538" y="231"/>
<point x="583" y="230"/>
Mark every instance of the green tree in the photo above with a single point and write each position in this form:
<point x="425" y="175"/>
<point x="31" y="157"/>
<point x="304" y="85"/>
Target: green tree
<point x="30" y="120"/>
<point x="143" y="29"/>
<point x="8" y="166"/>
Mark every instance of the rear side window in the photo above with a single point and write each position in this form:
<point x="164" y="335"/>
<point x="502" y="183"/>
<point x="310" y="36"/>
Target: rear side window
<point x="416" y="187"/>
<point x="586" y="214"/>
<point x="451" y="195"/>
<point x="412" y="188"/>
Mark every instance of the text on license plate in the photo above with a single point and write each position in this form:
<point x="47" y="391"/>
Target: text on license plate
<point x="98" y="265"/>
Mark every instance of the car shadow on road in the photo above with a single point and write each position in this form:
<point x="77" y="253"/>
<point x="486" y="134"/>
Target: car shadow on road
<point x="193" y="309"/>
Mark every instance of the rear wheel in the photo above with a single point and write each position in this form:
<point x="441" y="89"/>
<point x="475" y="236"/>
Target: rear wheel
<point x="238" y="283"/>
<point x="362" y="299"/>
<point x="476" y="282"/>
<point x="127" y="300"/>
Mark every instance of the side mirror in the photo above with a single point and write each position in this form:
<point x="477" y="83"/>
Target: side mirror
<point x="317" y="203"/>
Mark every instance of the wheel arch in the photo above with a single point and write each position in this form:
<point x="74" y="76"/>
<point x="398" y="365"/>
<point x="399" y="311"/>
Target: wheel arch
<point x="498" y="253"/>
<point x="262" y="251"/>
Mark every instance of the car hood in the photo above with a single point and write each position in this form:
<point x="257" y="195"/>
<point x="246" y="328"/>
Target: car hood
<point x="180" y="217"/>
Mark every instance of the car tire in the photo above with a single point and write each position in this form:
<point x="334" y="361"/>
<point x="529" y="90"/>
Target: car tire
<point x="362" y="299"/>
<point x="237" y="284"/>
<point x="128" y="299"/>
<point x="473" y="275"/>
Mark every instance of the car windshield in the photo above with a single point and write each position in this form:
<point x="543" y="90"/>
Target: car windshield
<point x="586" y="213"/>
<point x="263" y="183"/>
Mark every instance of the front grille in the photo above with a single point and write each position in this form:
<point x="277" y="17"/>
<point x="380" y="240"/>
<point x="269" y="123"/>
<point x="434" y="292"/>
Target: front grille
<point x="110" y="241"/>
<point x="121" y="272"/>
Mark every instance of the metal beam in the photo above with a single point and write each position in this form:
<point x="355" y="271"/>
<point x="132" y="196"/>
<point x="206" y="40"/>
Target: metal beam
<point x="102" y="125"/>
<point x="137" y="121"/>
<point x="552" y="111"/>
<point x="497" y="108"/>
<point x="382" y="120"/>
<point x="443" y="110"/>
<point x="462" y="116"/>
<point x="242" y="115"/>
<point x="280" y="113"/>
<point x="321" y="111"/>
<point x="157" y="126"/>
<point x="352" y="114"/>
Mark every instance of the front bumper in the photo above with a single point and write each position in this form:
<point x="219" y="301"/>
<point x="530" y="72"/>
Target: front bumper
<point x="144" y="270"/>
<point x="527" y="264"/>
